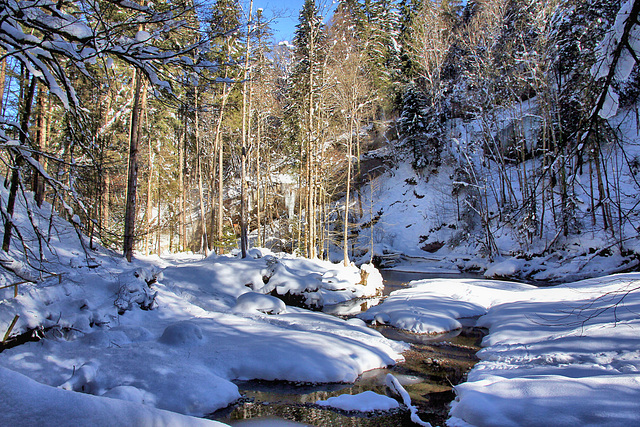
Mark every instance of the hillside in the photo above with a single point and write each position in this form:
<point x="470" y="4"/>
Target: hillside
<point x="407" y="215"/>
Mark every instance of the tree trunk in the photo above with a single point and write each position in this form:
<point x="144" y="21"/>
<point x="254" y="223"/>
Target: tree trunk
<point x="204" y="244"/>
<point x="217" y="148"/>
<point x="158" y="235"/>
<point x="220" y="195"/>
<point x="42" y="125"/>
<point x="17" y="164"/>
<point x="3" y="75"/>
<point x="345" y="237"/>
<point x="106" y="200"/>
<point x="244" y="235"/>
<point x="258" y="184"/>
<point x="147" y="240"/>
<point x="132" y="180"/>
<point x="181" y="213"/>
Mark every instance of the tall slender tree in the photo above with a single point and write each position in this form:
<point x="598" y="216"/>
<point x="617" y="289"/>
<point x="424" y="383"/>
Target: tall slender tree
<point x="309" y="56"/>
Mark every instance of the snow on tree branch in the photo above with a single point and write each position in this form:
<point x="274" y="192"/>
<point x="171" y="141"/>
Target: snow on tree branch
<point x="44" y="38"/>
<point x="616" y="55"/>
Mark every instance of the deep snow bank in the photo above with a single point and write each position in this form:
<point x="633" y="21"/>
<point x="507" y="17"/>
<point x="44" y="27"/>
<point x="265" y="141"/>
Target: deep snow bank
<point x="434" y="306"/>
<point x="173" y="333"/>
<point x="565" y="355"/>
<point x="28" y="403"/>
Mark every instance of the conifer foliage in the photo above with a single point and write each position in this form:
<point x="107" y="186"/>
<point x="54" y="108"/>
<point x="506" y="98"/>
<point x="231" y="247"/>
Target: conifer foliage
<point x="142" y="122"/>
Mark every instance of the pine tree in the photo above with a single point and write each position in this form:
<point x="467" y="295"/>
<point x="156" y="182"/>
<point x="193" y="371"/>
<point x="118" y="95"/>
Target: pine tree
<point x="419" y="131"/>
<point x="382" y="47"/>
<point x="309" y="56"/>
<point x="409" y="11"/>
<point x="225" y="21"/>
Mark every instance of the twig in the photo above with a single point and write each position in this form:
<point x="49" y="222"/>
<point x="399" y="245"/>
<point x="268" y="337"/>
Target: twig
<point x="13" y="323"/>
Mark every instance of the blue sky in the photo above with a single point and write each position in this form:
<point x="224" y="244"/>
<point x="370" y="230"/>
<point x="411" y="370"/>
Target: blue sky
<point x="287" y="10"/>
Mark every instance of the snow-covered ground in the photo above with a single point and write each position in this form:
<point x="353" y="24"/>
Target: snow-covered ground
<point x="159" y="340"/>
<point x="205" y="327"/>
<point x="565" y="355"/>
<point x="406" y="215"/>
<point x="168" y="334"/>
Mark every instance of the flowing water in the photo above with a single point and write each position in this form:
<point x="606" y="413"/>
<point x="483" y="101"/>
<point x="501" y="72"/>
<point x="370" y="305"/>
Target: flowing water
<point x="432" y="366"/>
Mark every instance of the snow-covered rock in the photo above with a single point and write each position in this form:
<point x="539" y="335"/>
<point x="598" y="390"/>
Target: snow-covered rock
<point x="253" y="302"/>
<point x="183" y="333"/>
<point x="363" y="402"/>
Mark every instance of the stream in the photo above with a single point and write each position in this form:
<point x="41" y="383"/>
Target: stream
<point x="432" y="365"/>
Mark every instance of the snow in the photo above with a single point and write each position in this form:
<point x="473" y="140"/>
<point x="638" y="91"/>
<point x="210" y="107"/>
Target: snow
<point x="255" y="302"/>
<point x="182" y="354"/>
<point x="364" y="402"/>
<point x="626" y="61"/>
<point x="562" y="355"/>
<point x="27" y="402"/>
<point x="394" y="385"/>
<point x="172" y="333"/>
<point x="434" y="306"/>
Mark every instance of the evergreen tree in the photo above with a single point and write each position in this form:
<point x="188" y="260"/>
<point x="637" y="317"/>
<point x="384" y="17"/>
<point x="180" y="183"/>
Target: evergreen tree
<point x="306" y="82"/>
<point x="420" y="132"/>
<point x="408" y="11"/>
<point x="382" y="47"/>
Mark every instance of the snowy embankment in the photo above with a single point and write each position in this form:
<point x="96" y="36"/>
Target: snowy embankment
<point x="174" y="335"/>
<point x="166" y="333"/>
<point x="565" y="355"/>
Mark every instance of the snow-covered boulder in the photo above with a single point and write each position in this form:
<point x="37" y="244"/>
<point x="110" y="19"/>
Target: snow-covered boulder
<point x="182" y="334"/>
<point x="253" y="302"/>
<point x="136" y="290"/>
<point x="363" y="402"/>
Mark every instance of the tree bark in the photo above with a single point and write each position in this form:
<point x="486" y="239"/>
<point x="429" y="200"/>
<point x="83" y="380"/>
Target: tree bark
<point x="43" y="125"/>
<point x="217" y="148"/>
<point x="244" y="234"/>
<point x="17" y="164"/>
<point x="158" y="234"/>
<point x="3" y="75"/>
<point x="182" y="238"/>
<point x="132" y="180"/>
<point x="345" y="236"/>
<point x="204" y="244"/>
<point x="147" y="240"/>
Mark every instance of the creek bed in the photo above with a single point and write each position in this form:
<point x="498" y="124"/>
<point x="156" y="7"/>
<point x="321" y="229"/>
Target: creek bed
<point x="433" y="364"/>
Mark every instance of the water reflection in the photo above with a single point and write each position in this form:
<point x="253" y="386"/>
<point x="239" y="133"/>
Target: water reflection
<point x="263" y="414"/>
<point x="406" y="336"/>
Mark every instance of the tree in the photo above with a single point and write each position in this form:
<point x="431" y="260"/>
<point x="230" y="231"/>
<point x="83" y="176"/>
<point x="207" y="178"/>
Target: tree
<point x="350" y="93"/>
<point x="225" y="21"/>
<point x="420" y="128"/>
<point x="58" y="42"/>
<point x="309" y="56"/>
<point x="246" y="94"/>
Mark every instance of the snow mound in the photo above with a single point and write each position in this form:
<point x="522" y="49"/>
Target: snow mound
<point x="182" y="334"/>
<point x="253" y="302"/>
<point x="131" y="394"/>
<point x="27" y="402"/>
<point x="506" y="268"/>
<point x="320" y="283"/>
<point x="605" y="400"/>
<point x="364" y="402"/>
<point x="136" y="291"/>
<point x="434" y="306"/>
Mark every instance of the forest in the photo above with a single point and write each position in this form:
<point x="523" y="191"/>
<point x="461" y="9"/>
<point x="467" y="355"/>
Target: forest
<point x="411" y="213"/>
<point x="183" y="126"/>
